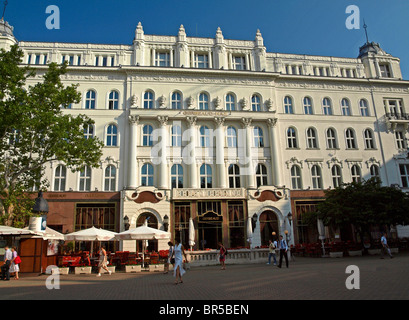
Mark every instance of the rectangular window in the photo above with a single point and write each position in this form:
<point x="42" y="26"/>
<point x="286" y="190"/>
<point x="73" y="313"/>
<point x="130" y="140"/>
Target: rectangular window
<point x="385" y="71"/>
<point x="400" y="140"/>
<point x="162" y="59"/>
<point x="404" y="175"/>
<point x="99" y="215"/>
<point x="202" y="61"/>
<point x="239" y="63"/>
<point x="37" y="59"/>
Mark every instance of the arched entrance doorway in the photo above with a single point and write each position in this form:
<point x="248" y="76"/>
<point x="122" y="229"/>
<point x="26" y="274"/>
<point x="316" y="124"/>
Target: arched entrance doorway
<point x="152" y="223"/>
<point x="268" y="224"/>
<point x="210" y="220"/>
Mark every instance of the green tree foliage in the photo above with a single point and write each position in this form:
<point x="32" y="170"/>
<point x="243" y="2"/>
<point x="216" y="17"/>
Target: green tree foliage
<point x="34" y="129"/>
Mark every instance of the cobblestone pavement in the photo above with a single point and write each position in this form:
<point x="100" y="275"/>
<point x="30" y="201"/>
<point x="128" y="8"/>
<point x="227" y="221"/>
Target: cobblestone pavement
<point x="306" y="279"/>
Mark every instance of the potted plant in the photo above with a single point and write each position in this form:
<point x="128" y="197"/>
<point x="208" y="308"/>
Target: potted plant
<point x="133" y="267"/>
<point x="83" y="269"/>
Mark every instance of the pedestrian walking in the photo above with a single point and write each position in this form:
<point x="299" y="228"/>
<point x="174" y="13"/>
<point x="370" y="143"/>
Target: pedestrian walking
<point x="222" y="255"/>
<point x="103" y="261"/>
<point x="14" y="266"/>
<point x="178" y="253"/>
<point x="385" y="247"/>
<point x="8" y="256"/>
<point x="272" y="245"/>
<point x="170" y="259"/>
<point x="282" y="245"/>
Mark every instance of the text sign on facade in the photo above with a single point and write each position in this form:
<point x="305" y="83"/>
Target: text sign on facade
<point x="179" y="194"/>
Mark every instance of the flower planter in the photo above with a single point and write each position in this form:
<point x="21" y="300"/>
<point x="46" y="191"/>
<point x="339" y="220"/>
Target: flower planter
<point x="394" y="250"/>
<point x="110" y="268"/>
<point x="133" y="268"/>
<point x="354" y="253"/>
<point x="60" y="270"/>
<point x="374" y="251"/>
<point x="83" y="270"/>
<point x="336" y="254"/>
<point x="156" y="267"/>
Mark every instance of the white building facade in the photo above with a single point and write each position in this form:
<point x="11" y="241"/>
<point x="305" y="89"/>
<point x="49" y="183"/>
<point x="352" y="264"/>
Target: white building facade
<point x="224" y="132"/>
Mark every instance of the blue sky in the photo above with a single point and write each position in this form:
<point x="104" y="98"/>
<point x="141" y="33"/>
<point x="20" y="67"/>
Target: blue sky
<point x="289" y="26"/>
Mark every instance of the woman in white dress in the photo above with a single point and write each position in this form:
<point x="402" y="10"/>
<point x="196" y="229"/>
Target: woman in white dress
<point x="179" y="252"/>
<point x="103" y="262"/>
<point x="14" y="268"/>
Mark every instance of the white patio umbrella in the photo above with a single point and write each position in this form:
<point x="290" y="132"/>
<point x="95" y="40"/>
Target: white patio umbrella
<point x="143" y="233"/>
<point x="321" y="234"/>
<point x="11" y="231"/>
<point x="91" y="234"/>
<point x="48" y="234"/>
<point x="191" y="233"/>
<point x="249" y="233"/>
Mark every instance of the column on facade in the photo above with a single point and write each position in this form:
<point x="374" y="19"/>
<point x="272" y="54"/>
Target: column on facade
<point x="247" y="58"/>
<point x="220" y="165"/>
<point x="190" y="159"/>
<point x="163" y="161"/>
<point x="248" y="166"/>
<point x="133" y="141"/>
<point x="272" y="124"/>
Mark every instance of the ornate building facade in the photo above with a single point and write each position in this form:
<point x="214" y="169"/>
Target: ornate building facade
<point x="223" y="132"/>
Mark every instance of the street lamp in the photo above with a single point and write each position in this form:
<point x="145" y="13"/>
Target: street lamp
<point x="166" y="222"/>
<point x="126" y="223"/>
<point x="290" y="218"/>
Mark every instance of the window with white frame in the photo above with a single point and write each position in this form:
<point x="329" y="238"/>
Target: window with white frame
<point x="258" y="137"/>
<point x="201" y="60"/>
<point x="110" y="178"/>
<point x="204" y="137"/>
<point x="312" y="139"/>
<point x="345" y="107"/>
<point x="288" y="105"/>
<point x="205" y="176"/>
<point x="336" y="175"/>
<point x="239" y="63"/>
<point x="90" y="99"/>
<point x="385" y="70"/>
<point x="296" y="182"/>
<point x="203" y="101"/>
<point x="176" y="176"/>
<point x="363" y="108"/>
<point x="162" y="59"/>
<point x="316" y="177"/>
<point x="176" y="136"/>
<point x="147" y="175"/>
<point x="394" y="107"/>
<point x="356" y="173"/>
<point x="231" y="137"/>
<point x="292" y="138"/>
<point x="327" y="106"/>
<point x="113" y="100"/>
<point x="374" y="171"/>
<point x="331" y="139"/>
<point x="261" y="175"/>
<point x="404" y="175"/>
<point x="176" y="101"/>
<point x="112" y="136"/>
<point x="148" y="100"/>
<point x="147" y="131"/>
<point x="85" y="179"/>
<point x="307" y="102"/>
<point x="234" y="176"/>
<point x="350" y="139"/>
<point x="369" y="139"/>
<point x="60" y="178"/>
<point x="88" y="131"/>
<point x="255" y="103"/>
<point x="400" y="140"/>
<point x="230" y="102"/>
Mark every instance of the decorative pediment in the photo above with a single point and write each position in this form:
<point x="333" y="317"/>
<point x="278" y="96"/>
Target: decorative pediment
<point x="294" y="161"/>
<point x="334" y="161"/>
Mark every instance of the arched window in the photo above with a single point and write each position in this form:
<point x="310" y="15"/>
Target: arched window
<point x="90" y="99"/>
<point x="336" y="176"/>
<point x="345" y="107"/>
<point x="268" y="224"/>
<point x="255" y="103"/>
<point x="230" y="102"/>
<point x="85" y="179"/>
<point x="60" y="178"/>
<point x="147" y="135"/>
<point x="350" y="139"/>
<point x="296" y="182"/>
<point x="110" y="178"/>
<point x="316" y="177"/>
<point x="113" y="100"/>
<point x="261" y="175"/>
<point x="234" y="176"/>
<point x="363" y="108"/>
<point x="148" y="100"/>
<point x="331" y="139"/>
<point x="312" y="138"/>
<point x="176" y="100"/>
<point x="205" y="176"/>
<point x="176" y="176"/>
<point x="374" y="170"/>
<point x="231" y="137"/>
<point x="204" y="137"/>
<point x="88" y="131"/>
<point x="369" y="139"/>
<point x="176" y="136"/>
<point x="147" y="175"/>
<point x="327" y="107"/>
<point x="292" y="138"/>
<point x="356" y="173"/>
<point x="258" y="137"/>
<point x="307" y="105"/>
<point x="112" y="136"/>
<point x="288" y="105"/>
<point x="203" y="101"/>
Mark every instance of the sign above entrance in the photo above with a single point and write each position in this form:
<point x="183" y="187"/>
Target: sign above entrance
<point x="210" y="217"/>
<point x="182" y="194"/>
